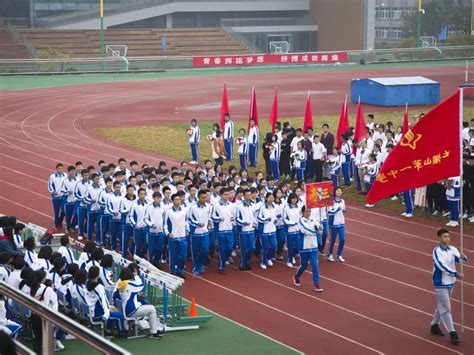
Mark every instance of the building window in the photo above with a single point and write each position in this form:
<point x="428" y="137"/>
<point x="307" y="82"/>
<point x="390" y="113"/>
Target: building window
<point x="388" y="33"/>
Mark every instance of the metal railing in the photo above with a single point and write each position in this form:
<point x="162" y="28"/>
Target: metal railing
<point x="22" y="40"/>
<point x="50" y="317"/>
<point x="239" y="37"/>
<point x="266" y="21"/>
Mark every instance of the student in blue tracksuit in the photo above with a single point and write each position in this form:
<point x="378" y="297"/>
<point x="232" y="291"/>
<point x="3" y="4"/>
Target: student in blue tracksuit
<point x="93" y="207"/>
<point x="320" y="216"/>
<point x="55" y="183"/>
<point x="243" y="148"/>
<point x="228" y="136"/>
<point x="137" y="219"/>
<point x="223" y="217"/>
<point x="300" y="156"/>
<point x="199" y="218"/>
<point x="308" y="247"/>
<point x="155" y="239"/>
<point x="253" y="138"/>
<point x="409" y="205"/>
<point x="371" y="171"/>
<point x="268" y="216"/>
<point x="246" y="220"/>
<point x="125" y="208"/>
<point x="174" y="226"/>
<point x="113" y="210"/>
<point x="346" y="150"/>
<point x="335" y="166"/>
<point x="453" y="195"/>
<point x="80" y="192"/>
<point x="336" y="225"/>
<point x="69" y="200"/>
<point x="291" y="217"/>
<point x="275" y="152"/>
<point x="194" y="138"/>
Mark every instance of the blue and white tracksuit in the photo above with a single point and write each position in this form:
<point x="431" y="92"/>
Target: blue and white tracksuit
<point x="155" y="238"/>
<point x="224" y="230"/>
<point x="408" y="199"/>
<point x="199" y="218"/>
<point x="453" y="195"/>
<point x="243" y="151"/>
<point x="268" y="216"/>
<point x="275" y="160"/>
<point x="112" y="209"/>
<point x="291" y="218"/>
<point x="228" y="137"/>
<point x="137" y="219"/>
<point x="93" y="209"/>
<point x="370" y="175"/>
<point x="253" y="139"/>
<point x="308" y="247"/>
<point x="320" y="216"/>
<point x="104" y="217"/>
<point x="246" y="220"/>
<point x="55" y="183"/>
<point x="80" y="192"/>
<point x="69" y="201"/>
<point x="300" y="163"/>
<point x="99" y="308"/>
<point x="336" y="225"/>
<point x="335" y="169"/>
<point x="346" y="151"/>
<point x="194" y="142"/>
<point x="126" y="224"/>
<point x="174" y="226"/>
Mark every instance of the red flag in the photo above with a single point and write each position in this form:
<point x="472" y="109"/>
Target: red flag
<point x="427" y="153"/>
<point x="308" y="117"/>
<point x="274" y="113"/>
<point x="253" y="109"/>
<point x="406" y="126"/>
<point x="319" y="194"/>
<point x="224" y="106"/>
<point x="343" y="123"/>
<point x="360" y="127"/>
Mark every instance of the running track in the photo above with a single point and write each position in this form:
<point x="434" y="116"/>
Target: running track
<point x="380" y="301"/>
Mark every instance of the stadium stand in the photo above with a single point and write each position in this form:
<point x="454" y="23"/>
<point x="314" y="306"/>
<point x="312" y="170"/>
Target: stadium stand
<point x="141" y="42"/>
<point x="9" y="49"/>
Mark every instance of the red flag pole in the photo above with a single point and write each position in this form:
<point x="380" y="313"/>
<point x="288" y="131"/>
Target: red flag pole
<point x="406" y="125"/>
<point x="224" y="106"/>
<point x="252" y="97"/>
<point x="274" y="113"/>
<point x="461" y="203"/>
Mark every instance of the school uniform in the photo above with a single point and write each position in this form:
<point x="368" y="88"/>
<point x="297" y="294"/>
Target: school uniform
<point x="107" y="279"/>
<point x="361" y="160"/>
<point x="83" y="259"/>
<point x="67" y="254"/>
<point x="319" y="152"/>
<point x="300" y="157"/>
<point x="126" y="225"/>
<point x="15" y="278"/>
<point x="104" y="217"/>
<point x="253" y="139"/>
<point x="243" y="151"/>
<point x="228" y="137"/>
<point x="453" y="195"/>
<point x="44" y="264"/>
<point x="291" y="217"/>
<point x="93" y="208"/>
<point x="137" y="220"/>
<point x="18" y="241"/>
<point x="408" y="200"/>
<point x="308" y="248"/>
<point x="99" y="307"/>
<point x="370" y="175"/>
<point x="267" y="216"/>
<point x="112" y="209"/>
<point x="4" y="272"/>
<point x="346" y="151"/>
<point x="275" y="160"/>
<point x="80" y="191"/>
<point x="30" y="258"/>
<point x="224" y="231"/>
<point x="280" y="230"/>
<point x="55" y="183"/>
<point x="9" y="327"/>
<point x="246" y="220"/>
<point x="199" y="215"/>
<point x="335" y="169"/>
<point x="69" y="201"/>
<point x="194" y="139"/>
<point x="320" y="215"/>
<point x="174" y="226"/>
<point x="337" y="226"/>
<point x="155" y="238"/>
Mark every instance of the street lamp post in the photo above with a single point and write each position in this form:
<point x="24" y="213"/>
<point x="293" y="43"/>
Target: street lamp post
<point x="102" y="49"/>
<point x="418" y="24"/>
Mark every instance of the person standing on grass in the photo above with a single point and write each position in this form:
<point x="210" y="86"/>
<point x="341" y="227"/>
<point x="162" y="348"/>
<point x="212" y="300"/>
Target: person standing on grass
<point x="453" y="195"/>
<point x="371" y="171"/>
<point x="253" y="139"/>
<point x="336" y="225"/>
<point x="218" y="150"/>
<point x="346" y="150"/>
<point x="308" y="247"/>
<point x="243" y="149"/>
<point x="300" y="157"/>
<point x="228" y="137"/>
<point x="445" y="257"/>
<point x="194" y="137"/>
<point x="55" y="183"/>
<point x="275" y="152"/>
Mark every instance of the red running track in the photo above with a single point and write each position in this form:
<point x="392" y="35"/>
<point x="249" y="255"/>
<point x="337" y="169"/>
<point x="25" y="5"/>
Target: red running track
<point x="380" y="301"/>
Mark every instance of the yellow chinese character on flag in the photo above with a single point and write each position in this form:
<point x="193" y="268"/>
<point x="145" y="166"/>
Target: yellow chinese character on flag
<point x="381" y="178"/>
<point x="427" y="161"/>
<point x="417" y="164"/>
<point x="436" y="159"/>
<point x="393" y="173"/>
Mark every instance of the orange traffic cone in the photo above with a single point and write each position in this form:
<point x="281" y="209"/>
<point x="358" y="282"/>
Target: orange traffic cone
<point x="193" y="312"/>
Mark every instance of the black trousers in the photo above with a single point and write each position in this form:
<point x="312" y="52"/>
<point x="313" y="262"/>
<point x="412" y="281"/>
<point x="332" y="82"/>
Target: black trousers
<point x="285" y="165"/>
<point x="37" y="328"/>
<point x="318" y="170"/>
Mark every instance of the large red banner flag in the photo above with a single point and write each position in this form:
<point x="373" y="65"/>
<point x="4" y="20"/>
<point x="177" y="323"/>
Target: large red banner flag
<point x="360" y="127"/>
<point x="274" y="114"/>
<point x="253" y="113"/>
<point x="343" y="123"/>
<point x="406" y="125"/>
<point x="308" y="117"/>
<point x="319" y="194"/>
<point x="429" y="152"/>
<point x="224" y="106"/>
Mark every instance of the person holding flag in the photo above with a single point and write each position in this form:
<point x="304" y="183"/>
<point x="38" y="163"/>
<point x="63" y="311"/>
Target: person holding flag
<point x="194" y="137"/>
<point x="253" y="140"/>
<point x="228" y="137"/>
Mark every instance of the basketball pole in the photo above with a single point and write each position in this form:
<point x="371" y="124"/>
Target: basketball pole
<point x="102" y="54"/>
<point x="418" y="25"/>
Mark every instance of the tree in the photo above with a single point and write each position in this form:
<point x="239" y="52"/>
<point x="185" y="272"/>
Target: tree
<point x="456" y="14"/>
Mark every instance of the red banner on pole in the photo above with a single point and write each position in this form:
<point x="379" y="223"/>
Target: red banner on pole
<point x="319" y="194"/>
<point x="262" y="59"/>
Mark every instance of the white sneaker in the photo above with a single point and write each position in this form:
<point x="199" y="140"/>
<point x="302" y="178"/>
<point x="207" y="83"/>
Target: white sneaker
<point x="330" y="257"/>
<point x="409" y="215"/>
<point x="80" y="237"/>
<point x="369" y="205"/>
<point x="69" y="337"/>
<point x="289" y="264"/>
<point x="445" y="213"/>
<point x="465" y="215"/>
<point x="227" y="262"/>
<point x="471" y="220"/>
<point x="340" y="259"/>
<point x="269" y="263"/>
<point x="404" y="214"/>
<point x="450" y="223"/>
<point x="59" y="346"/>
<point x="263" y="266"/>
<point x="435" y="213"/>
<point x="394" y="198"/>
<point x="454" y="224"/>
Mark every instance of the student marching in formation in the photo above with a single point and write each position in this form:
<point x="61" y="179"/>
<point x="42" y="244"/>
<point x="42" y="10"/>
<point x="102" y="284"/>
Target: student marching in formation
<point x="336" y="225"/>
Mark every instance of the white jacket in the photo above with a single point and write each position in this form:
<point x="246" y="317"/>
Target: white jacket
<point x="444" y="270"/>
<point x="336" y="213"/>
<point x="291" y="217"/>
<point x="225" y="211"/>
<point x="308" y="229"/>
<point x="174" y="223"/>
<point x="154" y="217"/>
<point x="267" y="215"/>
<point x="199" y="214"/>
<point x="246" y="214"/>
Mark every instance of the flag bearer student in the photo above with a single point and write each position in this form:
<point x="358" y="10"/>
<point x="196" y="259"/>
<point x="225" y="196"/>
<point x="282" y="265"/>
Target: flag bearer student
<point x="80" y="192"/>
<point x="103" y="222"/>
<point x="174" y="227"/>
<point x="223" y="218"/>
<point x="371" y="171"/>
<point x="336" y="225"/>
<point x="268" y="216"/>
<point x="55" y="183"/>
<point x="308" y="247"/>
<point x="154" y="238"/>
<point x="453" y="195"/>
<point x="275" y="157"/>
<point x="69" y="200"/>
<point x="254" y="134"/>
<point x="228" y="136"/>
<point x="125" y="208"/>
<point x="112" y="209"/>
<point x="199" y="218"/>
<point x="246" y="220"/>
<point x="300" y="156"/>
<point x="194" y="138"/>
<point x="65" y="250"/>
<point x="346" y="150"/>
<point x="93" y="207"/>
<point x="445" y="257"/>
<point x="291" y="217"/>
<point x="320" y="216"/>
<point x="243" y="148"/>
<point x="137" y="219"/>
